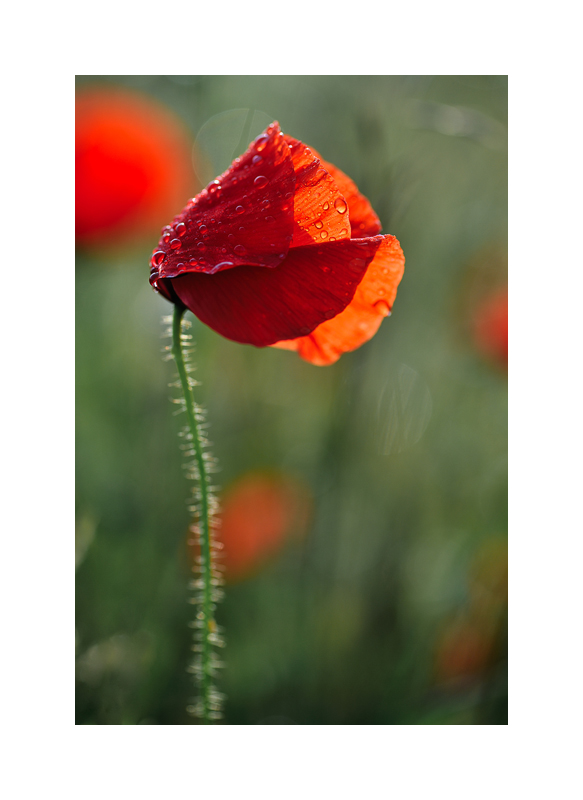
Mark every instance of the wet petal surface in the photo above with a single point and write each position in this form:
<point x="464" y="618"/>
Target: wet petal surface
<point x="320" y="209"/>
<point x="363" y="220"/>
<point x="245" y="216"/>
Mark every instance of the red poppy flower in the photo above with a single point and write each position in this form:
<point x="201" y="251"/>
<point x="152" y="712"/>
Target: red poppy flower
<point x="491" y="327"/>
<point x="281" y="250"/>
<point x="132" y="165"/>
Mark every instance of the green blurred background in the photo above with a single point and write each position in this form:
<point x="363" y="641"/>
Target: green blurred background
<point x="391" y="609"/>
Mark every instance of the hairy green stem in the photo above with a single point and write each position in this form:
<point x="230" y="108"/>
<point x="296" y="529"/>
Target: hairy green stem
<point x="207" y="625"/>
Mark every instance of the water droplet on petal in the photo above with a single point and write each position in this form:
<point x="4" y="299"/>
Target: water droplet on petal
<point x="239" y="250"/>
<point x="175" y="244"/>
<point x="256" y="160"/>
<point x="166" y="238"/>
<point x="332" y="238"/>
<point x="324" y="235"/>
<point x="266" y="203"/>
<point x="344" y="232"/>
<point x="201" y="245"/>
<point x="260" y="181"/>
<point x="383" y="308"/>
<point x="340" y="205"/>
<point x="261" y="142"/>
<point x="269" y="218"/>
<point x="180" y="229"/>
<point x="158" y="257"/>
<point x="193" y="262"/>
<point x="239" y="210"/>
<point x="318" y="224"/>
<point x="202" y="228"/>
<point x="180" y="266"/>
<point x="357" y="264"/>
<point x="326" y="206"/>
<point x="214" y="189"/>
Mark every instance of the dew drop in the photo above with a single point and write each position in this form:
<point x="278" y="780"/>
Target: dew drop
<point x="231" y="238"/>
<point x="158" y="257"/>
<point x="193" y="262"/>
<point x="224" y="265"/>
<point x="166" y="238"/>
<point x="201" y="245"/>
<point x="261" y="142"/>
<point x="241" y="229"/>
<point x="202" y="228"/>
<point x="357" y="264"/>
<point x="239" y="250"/>
<point x="256" y="160"/>
<point x="260" y="181"/>
<point x="332" y="238"/>
<point x="381" y="292"/>
<point x="344" y="232"/>
<point x="323" y="235"/>
<point x="318" y="224"/>
<point x="223" y="249"/>
<point x="214" y="188"/>
<point x="175" y="244"/>
<point x="340" y="205"/>
<point x="239" y="210"/>
<point x="269" y="218"/>
<point x="180" y="266"/>
<point x="326" y="206"/>
<point x="383" y="308"/>
<point x="180" y="229"/>
<point x="266" y="203"/>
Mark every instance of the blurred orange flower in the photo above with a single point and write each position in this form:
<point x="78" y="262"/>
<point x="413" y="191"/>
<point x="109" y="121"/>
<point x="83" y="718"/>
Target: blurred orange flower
<point x="260" y="512"/>
<point x="132" y="165"/>
<point x="491" y="327"/>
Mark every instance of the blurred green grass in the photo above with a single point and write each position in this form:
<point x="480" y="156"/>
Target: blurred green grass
<point x="344" y="627"/>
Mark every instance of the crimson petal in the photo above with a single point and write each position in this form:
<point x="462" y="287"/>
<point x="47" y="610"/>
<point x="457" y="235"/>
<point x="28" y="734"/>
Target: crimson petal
<point x="245" y="216"/>
<point x="260" y="306"/>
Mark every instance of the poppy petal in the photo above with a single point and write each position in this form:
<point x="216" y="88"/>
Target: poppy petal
<point x="319" y="206"/>
<point x="360" y="320"/>
<point x="245" y="216"/>
<point x="260" y="306"/>
<point x="363" y="220"/>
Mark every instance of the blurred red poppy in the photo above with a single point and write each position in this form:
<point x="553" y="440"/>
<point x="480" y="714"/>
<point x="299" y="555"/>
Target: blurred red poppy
<point x="468" y="643"/>
<point x="491" y="327"/>
<point x="259" y="513"/>
<point x="463" y="650"/>
<point x="281" y="250"/>
<point x="132" y="165"/>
